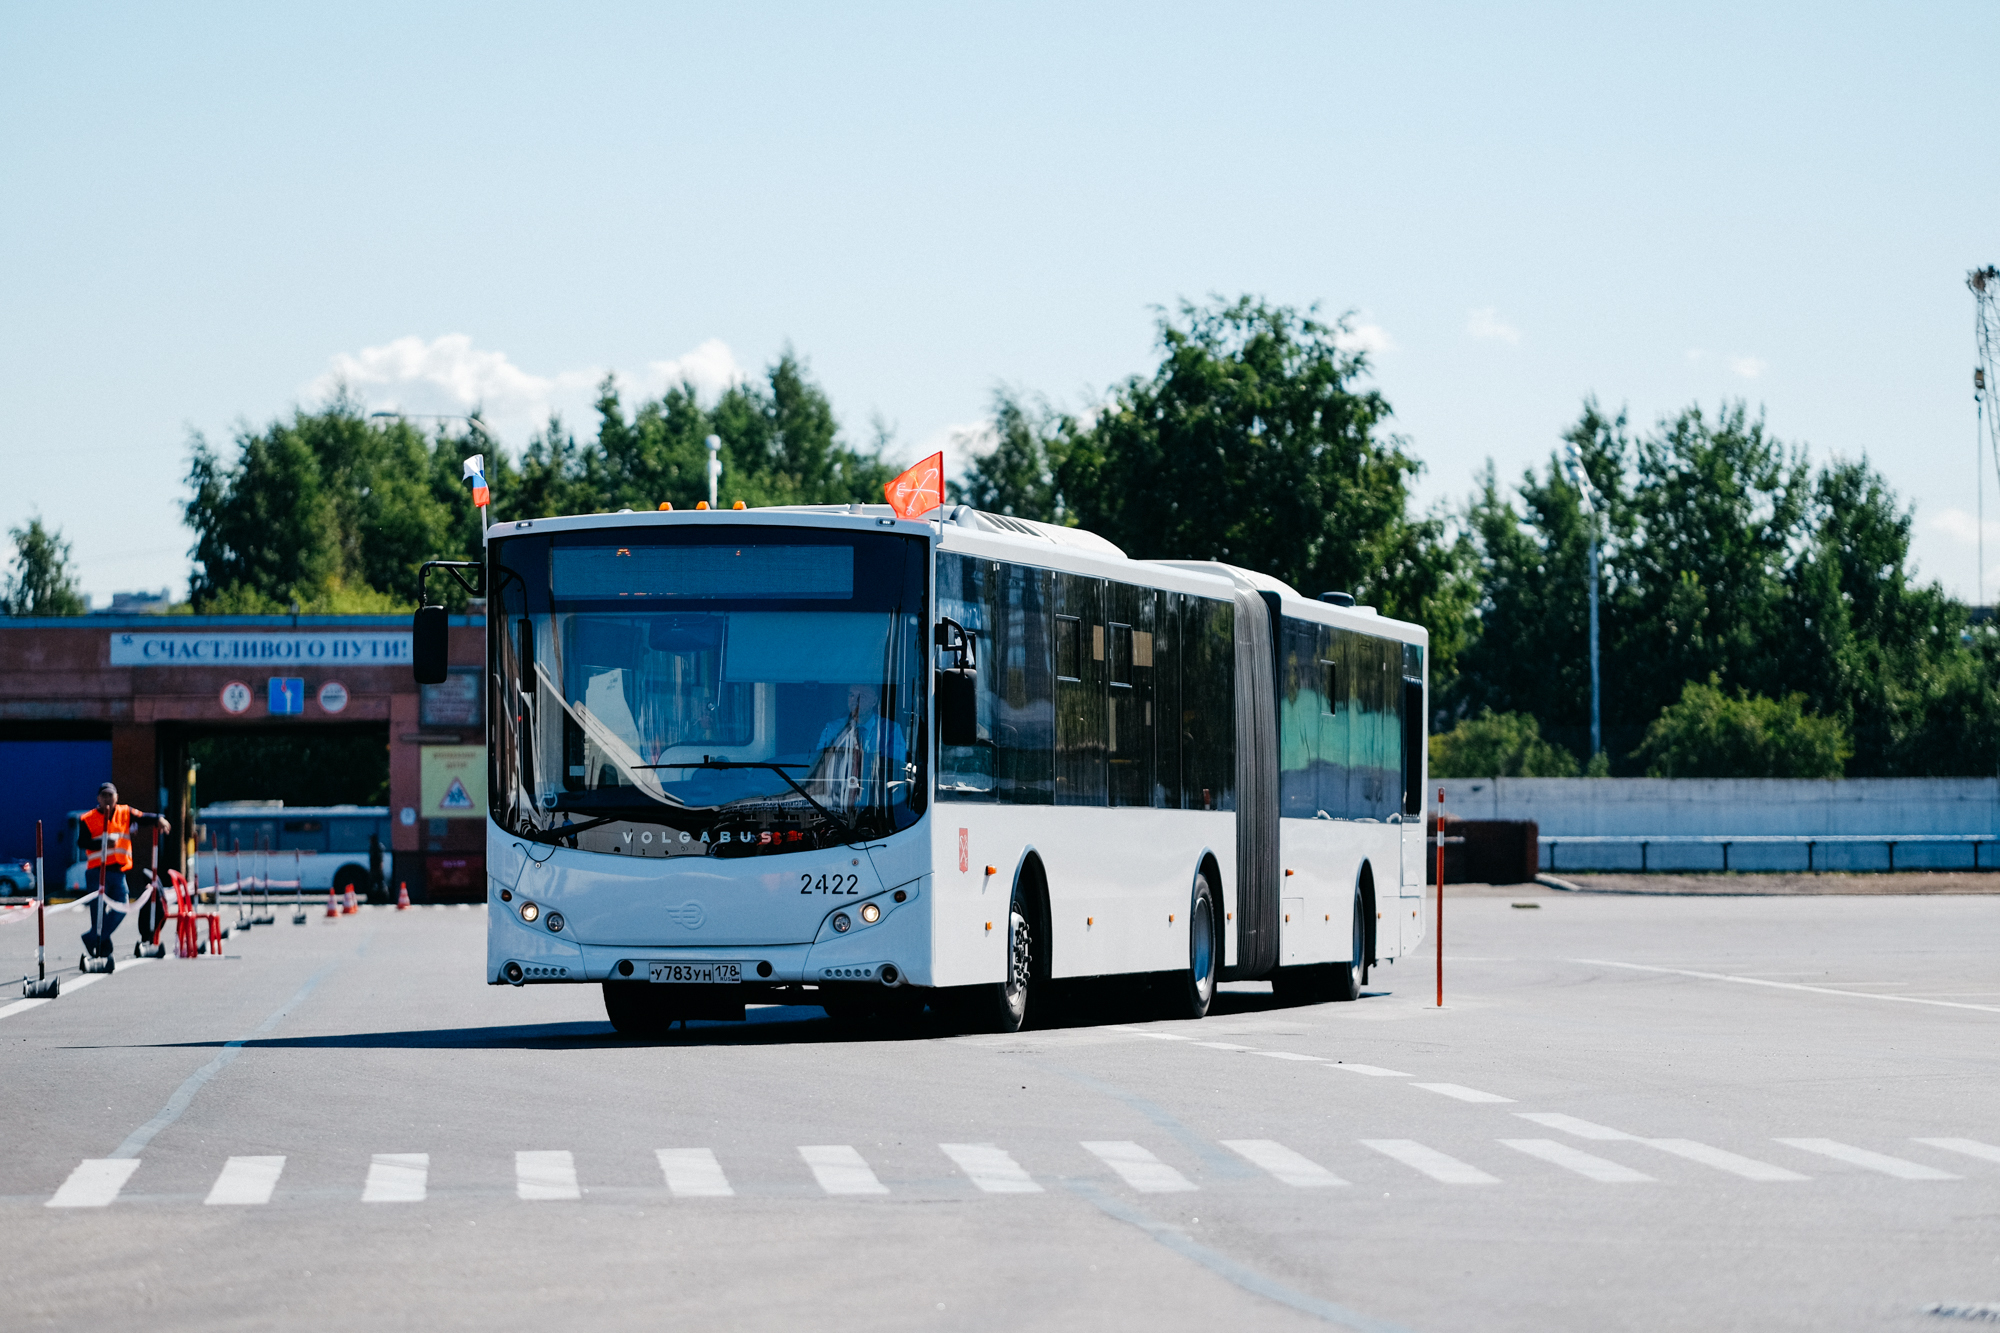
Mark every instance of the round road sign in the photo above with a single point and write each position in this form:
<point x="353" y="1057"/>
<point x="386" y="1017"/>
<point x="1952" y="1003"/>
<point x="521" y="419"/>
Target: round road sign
<point x="333" y="696"/>
<point x="236" y="696"/>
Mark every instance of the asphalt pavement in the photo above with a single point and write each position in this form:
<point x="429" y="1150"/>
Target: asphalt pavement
<point x="1631" y="1113"/>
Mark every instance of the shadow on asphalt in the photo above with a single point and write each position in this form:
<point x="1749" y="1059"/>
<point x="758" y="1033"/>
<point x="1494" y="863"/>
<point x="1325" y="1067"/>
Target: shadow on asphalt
<point x="1079" y="1006"/>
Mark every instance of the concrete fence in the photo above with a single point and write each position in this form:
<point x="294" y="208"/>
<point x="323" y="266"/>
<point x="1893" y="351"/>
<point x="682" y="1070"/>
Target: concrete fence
<point x="1669" y="808"/>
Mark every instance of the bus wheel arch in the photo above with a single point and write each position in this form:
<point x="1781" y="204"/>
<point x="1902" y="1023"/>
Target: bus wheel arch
<point x="1211" y="869"/>
<point x="1365" y="889"/>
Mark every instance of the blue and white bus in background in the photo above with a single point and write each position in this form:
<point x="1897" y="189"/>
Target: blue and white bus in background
<point x="270" y="846"/>
<point x="829" y="756"/>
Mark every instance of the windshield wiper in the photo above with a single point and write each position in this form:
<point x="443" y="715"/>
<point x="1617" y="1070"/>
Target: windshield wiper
<point x="779" y="769"/>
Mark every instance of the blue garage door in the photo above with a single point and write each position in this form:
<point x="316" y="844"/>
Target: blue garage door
<point x="46" y="780"/>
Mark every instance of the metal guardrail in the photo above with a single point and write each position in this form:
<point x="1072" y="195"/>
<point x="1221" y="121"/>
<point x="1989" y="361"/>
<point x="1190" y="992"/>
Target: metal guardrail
<point x="1810" y="841"/>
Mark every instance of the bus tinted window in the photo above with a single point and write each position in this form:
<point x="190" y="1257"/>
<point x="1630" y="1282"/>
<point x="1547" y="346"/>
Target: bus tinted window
<point x="1208" y="703"/>
<point x="351" y="835"/>
<point x="1080" y="729"/>
<point x="1129" y="714"/>
<point x="1006" y="607"/>
<point x="301" y="835"/>
<point x="1305" y="742"/>
<point x="1167" y="701"/>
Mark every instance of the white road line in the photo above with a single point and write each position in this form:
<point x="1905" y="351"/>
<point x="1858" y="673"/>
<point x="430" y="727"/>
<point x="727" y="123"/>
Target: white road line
<point x="989" y="1167"/>
<point x="1448" y="1170"/>
<point x="1462" y="1092"/>
<point x="1282" y="1162"/>
<point x="1139" y="1168"/>
<point x="246" y="1180"/>
<point x="1224" y="1046"/>
<point x="71" y="987"/>
<point x="397" y="1177"/>
<point x="1786" y="985"/>
<point x="1373" y="1071"/>
<point x="1569" y="1124"/>
<point x="693" y="1173"/>
<point x="1747" y="1167"/>
<point x="841" y="1170"/>
<point x="1158" y="1036"/>
<point x="1970" y="1147"/>
<point x="1577" y="1160"/>
<point x="543" y="1176"/>
<point x="1291" y="1055"/>
<point x="1900" y="1168"/>
<point x="94" y="1183"/>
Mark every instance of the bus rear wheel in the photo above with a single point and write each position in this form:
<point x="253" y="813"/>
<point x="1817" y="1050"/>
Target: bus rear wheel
<point x="1193" y="991"/>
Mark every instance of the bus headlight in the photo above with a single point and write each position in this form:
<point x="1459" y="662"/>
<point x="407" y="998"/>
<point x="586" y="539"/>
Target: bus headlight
<point x="529" y="911"/>
<point x="870" y="913"/>
<point x="842" y="923"/>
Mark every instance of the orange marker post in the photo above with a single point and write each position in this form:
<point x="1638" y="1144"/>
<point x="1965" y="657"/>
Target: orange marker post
<point x="1440" y="895"/>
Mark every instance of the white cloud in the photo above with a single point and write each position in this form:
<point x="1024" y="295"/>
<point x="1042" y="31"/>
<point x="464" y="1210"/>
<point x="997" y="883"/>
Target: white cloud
<point x="448" y="375"/>
<point x="1485" y="323"/>
<point x="1370" y="338"/>
<point x="710" y="368"/>
<point x="1749" y="367"/>
<point x="1959" y="527"/>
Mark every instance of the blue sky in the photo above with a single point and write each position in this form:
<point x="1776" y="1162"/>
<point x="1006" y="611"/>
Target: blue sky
<point x="210" y="212"/>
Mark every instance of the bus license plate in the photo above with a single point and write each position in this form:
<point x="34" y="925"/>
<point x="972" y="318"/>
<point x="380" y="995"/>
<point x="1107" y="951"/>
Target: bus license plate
<point x="700" y="974"/>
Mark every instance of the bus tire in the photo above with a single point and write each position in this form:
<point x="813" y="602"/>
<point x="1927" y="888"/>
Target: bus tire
<point x="1194" y="990"/>
<point x="1348" y="979"/>
<point x="1002" y="1006"/>
<point x="635" y="1010"/>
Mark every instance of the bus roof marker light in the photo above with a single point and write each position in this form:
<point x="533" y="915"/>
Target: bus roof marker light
<point x="701" y="504"/>
<point x="738" y="505"/>
<point x="666" y="506"/>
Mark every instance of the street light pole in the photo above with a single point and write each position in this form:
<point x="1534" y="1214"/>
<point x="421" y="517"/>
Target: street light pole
<point x="1587" y="502"/>
<point x="714" y="443"/>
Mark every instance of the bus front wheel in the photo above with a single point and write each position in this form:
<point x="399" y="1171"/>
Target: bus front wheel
<point x="1194" y="991"/>
<point x="1002" y="1006"/>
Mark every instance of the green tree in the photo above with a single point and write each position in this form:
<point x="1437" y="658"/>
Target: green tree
<point x="1017" y="478"/>
<point x="1498" y="745"/>
<point x="1251" y="442"/>
<point x="331" y="510"/>
<point x="39" y="581"/>
<point x="1708" y="734"/>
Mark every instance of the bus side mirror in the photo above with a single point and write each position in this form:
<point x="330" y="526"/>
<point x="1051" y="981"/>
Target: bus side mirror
<point x="958" y="706"/>
<point x="430" y="644"/>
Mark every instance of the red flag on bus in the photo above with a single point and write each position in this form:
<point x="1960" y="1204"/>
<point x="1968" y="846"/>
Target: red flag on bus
<point x="919" y="490"/>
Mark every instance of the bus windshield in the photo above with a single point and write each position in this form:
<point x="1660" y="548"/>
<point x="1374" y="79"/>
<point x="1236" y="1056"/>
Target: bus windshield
<point x="712" y="690"/>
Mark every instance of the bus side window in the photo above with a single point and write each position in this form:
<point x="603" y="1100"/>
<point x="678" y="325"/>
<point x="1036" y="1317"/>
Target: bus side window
<point x="1081" y="722"/>
<point x="1166" y="653"/>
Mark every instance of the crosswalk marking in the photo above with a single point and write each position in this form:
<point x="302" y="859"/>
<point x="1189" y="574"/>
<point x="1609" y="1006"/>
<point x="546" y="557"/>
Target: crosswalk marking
<point x="1970" y="1147"/>
<point x="693" y="1173"/>
<point x="246" y="1180"/>
<point x="397" y="1177"/>
<point x="1373" y="1071"/>
<point x="1463" y="1093"/>
<point x="1747" y="1167"/>
<point x="545" y="1175"/>
<point x="94" y="1183"/>
<point x="841" y="1170"/>
<point x="1282" y="1162"/>
<point x="1436" y="1165"/>
<point x="1584" y="1164"/>
<point x="1569" y="1124"/>
<point x="989" y="1167"/>
<point x="1139" y="1168"/>
<point x="1899" y="1167"/>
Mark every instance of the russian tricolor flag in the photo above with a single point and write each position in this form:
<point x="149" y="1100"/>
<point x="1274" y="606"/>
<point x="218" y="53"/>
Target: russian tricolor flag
<point x="475" y="472"/>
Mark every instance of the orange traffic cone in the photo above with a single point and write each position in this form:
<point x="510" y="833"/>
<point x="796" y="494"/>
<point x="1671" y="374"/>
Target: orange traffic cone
<point x="332" y="904"/>
<point x="349" y="909"/>
<point x="403" y="896"/>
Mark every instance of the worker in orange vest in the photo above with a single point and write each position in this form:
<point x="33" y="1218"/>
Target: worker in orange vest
<point x="105" y="837"/>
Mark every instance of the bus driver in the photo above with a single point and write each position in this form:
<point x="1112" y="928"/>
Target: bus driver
<point x="850" y="748"/>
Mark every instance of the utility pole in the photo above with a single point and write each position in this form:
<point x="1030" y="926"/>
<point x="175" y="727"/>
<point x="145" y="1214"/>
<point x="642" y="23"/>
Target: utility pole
<point x="1984" y="283"/>
<point x="1586" y="501"/>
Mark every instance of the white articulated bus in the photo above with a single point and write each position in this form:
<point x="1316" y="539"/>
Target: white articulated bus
<point x="820" y="755"/>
